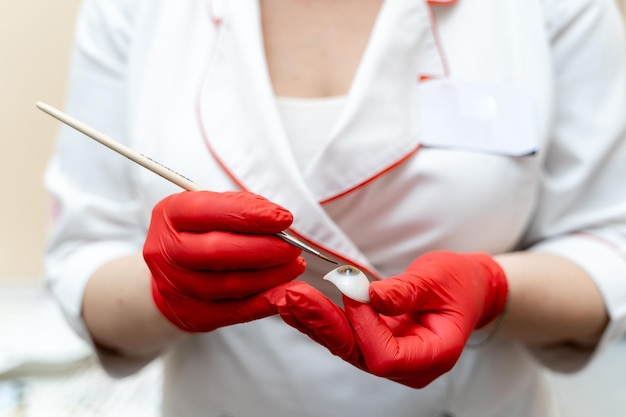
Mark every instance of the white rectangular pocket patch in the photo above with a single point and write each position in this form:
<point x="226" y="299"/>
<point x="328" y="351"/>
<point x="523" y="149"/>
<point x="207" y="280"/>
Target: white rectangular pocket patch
<point x="478" y="117"/>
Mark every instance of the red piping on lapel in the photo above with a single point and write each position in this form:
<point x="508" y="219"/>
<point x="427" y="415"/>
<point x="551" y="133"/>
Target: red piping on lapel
<point x="207" y="143"/>
<point x="217" y="20"/>
<point x="435" y="29"/>
<point x="231" y="175"/>
<point x="440" y="2"/>
<point x="421" y="78"/>
<point x="374" y="177"/>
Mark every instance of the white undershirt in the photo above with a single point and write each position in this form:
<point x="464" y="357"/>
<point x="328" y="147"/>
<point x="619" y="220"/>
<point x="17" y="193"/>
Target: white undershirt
<point x="308" y="123"/>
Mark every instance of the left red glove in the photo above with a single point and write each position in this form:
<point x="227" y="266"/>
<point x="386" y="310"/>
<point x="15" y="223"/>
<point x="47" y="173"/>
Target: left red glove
<point x="215" y="260"/>
<point x="418" y="322"/>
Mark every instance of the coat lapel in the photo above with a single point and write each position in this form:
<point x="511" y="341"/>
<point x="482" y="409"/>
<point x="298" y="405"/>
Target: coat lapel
<point x="377" y="130"/>
<point x="242" y="128"/>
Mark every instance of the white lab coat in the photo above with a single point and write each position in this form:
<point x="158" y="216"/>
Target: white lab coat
<point x="186" y="83"/>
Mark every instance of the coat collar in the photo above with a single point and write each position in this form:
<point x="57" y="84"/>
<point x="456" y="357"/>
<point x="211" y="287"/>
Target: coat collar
<point x="243" y="131"/>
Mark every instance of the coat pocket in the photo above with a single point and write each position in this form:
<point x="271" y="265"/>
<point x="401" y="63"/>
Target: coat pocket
<point x="477" y="117"/>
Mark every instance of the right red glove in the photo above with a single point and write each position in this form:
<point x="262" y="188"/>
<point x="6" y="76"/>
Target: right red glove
<point x="418" y="321"/>
<point x="215" y="259"/>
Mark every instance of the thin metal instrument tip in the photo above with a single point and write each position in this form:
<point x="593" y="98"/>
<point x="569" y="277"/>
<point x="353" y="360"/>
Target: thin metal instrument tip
<point x="286" y="237"/>
<point x="326" y="258"/>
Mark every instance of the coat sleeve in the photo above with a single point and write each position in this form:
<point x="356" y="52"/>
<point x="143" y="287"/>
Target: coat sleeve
<point x="582" y="210"/>
<point x="95" y="213"/>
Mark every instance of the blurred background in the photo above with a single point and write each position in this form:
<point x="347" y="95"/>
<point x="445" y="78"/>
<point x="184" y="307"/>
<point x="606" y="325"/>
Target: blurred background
<point x="35" y="41"/>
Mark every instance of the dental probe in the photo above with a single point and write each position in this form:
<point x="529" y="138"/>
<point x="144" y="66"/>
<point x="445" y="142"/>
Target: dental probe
<point x="154" y="166"/>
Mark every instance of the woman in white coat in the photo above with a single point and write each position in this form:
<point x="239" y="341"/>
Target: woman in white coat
<point x="467" y="155"/>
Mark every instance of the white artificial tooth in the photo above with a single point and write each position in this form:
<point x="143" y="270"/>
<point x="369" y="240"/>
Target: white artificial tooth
<point x="351" y="282"/>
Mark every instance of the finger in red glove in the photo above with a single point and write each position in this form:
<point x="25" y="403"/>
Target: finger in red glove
<point x="199" y="315"/>
<point x="214" y="258"/>
<point x="307" y="309"/>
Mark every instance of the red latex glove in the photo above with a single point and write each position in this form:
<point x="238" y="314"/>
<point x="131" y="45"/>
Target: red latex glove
<point x="215" y="260"/>
<point x="418" y="322"/>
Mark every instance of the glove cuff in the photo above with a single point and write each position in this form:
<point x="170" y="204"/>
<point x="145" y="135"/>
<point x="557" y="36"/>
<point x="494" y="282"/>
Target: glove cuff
<point x="497" y="289"/>
<point x="164" y="308"/>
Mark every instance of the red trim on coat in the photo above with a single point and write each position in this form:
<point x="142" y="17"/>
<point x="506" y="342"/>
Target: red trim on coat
<point x="205" y="137"/>
<point x="217" y="20"/>
<point x="373" y="177"/>
<point x="440" y="2"/>
<point x="592" y="236"/>
<point x="207" y="143"/>
<point x="421" y="78"/>
<point x="435" y="28"/>
<point x="231" y="175"/>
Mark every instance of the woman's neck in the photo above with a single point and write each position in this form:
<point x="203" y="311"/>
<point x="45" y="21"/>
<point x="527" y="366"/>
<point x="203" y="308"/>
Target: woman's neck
<point x="313" y="48"/>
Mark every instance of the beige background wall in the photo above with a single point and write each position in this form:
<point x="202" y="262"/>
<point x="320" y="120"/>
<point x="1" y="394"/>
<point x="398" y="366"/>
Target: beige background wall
<point x="35" y="38"/>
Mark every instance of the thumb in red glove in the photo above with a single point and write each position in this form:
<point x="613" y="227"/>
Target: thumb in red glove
<point x="215" y="259"/>
<point x="418" y="322"/>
